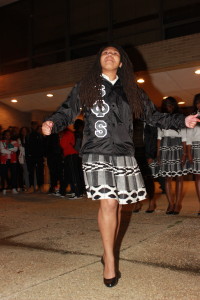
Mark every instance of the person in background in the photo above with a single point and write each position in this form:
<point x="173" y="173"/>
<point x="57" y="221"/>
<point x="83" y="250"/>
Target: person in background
<point x="35" y="157"/>
<point x="140" y="156"/>
<point x="22" y="142"/>
<point x="109" y="97"/>
<point x="78" y="127"/>
<point x="171" y="157"/>
<point x="8" y="150"/>
<point x="53" y="153"/>
<point x="150" y="144"/>
<point x="193" y="148"/>
<point x="71" y="163"/>
<point x="14" y="133"/>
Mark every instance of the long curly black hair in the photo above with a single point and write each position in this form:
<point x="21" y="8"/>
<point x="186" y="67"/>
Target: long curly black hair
<point x="90" y="88"/>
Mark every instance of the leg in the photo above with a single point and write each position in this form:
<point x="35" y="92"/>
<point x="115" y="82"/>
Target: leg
<point x="197" y="184"/>
<point x="108" y="226"/>
<point x="25" y="175"/>
<point x="161" y="181"/>
<point x="150" y="193"/>
<point x="119" y="215"/>
<point x="179" y="195"/>
<point x="74" y="174"/>
<point x="40" y="172"/>
<point x="52" y="165"/>
<point x="31" y="169"/>
<point x="14" y="175"/>
<point x="4" y="174"/>
<point x="168" y="188"/>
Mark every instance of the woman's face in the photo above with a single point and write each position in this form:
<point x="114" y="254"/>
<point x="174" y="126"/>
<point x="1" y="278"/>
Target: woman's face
<point x="170" y="108"/>
<point x="110" y="59"/>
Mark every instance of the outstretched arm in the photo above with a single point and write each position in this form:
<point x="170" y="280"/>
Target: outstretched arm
<point x="165" y="120"/>
<point x="65" y="115"/>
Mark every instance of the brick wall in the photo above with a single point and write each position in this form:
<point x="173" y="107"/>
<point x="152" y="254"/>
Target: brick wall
<point x="171" y="53"/>
<point x="182" y="51"/>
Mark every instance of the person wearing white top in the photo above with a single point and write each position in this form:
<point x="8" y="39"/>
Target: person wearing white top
<point x="171" y="158"/>
<point x="8" y="162"/>
<point x="22" y="157"/>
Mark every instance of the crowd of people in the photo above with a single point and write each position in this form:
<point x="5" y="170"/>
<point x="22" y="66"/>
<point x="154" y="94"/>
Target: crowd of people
<point x="25" y="151"/>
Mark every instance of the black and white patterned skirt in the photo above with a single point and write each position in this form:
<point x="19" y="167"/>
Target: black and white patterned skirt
<point x="171" y="151"/>
<point x="196" y="157"/>
<point x="113" y="177"/>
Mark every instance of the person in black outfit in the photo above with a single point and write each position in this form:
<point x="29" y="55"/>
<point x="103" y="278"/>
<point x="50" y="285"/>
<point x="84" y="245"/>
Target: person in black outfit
<point x="110" y="97"/>
<point x="35" y="157"/>
<point x="141" y="158"/>
<point x="78" y="127"/>
<point x="53" y="153"/>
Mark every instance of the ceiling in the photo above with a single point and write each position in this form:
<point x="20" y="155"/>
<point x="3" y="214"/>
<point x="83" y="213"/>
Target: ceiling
<point x="181" y="83"/>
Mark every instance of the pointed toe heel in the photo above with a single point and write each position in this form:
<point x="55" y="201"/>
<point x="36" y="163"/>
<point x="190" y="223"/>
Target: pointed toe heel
<point x="111" y="282"/>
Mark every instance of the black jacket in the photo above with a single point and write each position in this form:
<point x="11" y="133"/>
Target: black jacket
<point x="110" y="131"/>
<point x="34" y="145"/>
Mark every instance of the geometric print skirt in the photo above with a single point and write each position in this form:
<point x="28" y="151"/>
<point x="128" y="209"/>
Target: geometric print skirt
<point x="171" y="152"/>
<point x="113" y="177"/>
<point x="196" y="157"/>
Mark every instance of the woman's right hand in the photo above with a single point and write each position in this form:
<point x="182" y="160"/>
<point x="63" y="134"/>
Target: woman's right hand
<point x="47" y="127"/>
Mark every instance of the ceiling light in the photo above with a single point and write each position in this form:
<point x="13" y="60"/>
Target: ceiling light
<point x="197" y="72"/>
<point x="49" y="95"/>
<point x="14" y="100"/>
<point x="181" y="102"/>
<point x="140" y="80"/>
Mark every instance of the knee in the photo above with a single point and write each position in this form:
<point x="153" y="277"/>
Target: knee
<point x="109" y="205"/>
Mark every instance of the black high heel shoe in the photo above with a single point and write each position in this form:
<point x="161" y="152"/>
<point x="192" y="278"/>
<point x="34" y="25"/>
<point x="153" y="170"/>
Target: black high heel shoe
<point x="177" y="210"/>
<point x="149" y="211"/>
<point x="111" y="281"/>
<point x="170" y="210"/>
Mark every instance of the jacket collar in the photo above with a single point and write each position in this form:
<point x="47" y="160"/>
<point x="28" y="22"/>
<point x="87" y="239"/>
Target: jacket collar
<point x="108" y="79"/>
